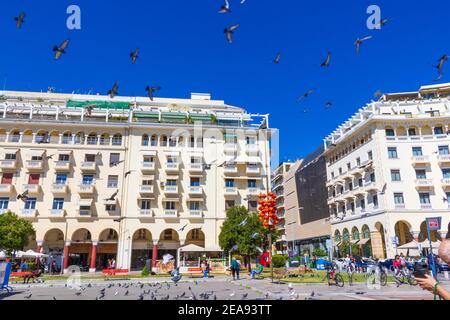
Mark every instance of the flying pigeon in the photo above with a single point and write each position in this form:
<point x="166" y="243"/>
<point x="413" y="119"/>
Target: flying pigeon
<point x="151" y="91"/>
<point x="61" y="49"/>
<point x="113" y="197"/>
<point x="235" y="248"/>
<point x="20" y="19"/>
<point x="328" y="105"/>
<point x="225" y="8"/>
<point x="232" y="294"/>
<point x="359" y="42"/>
<point x="243" y="223"/>
<point x="126" y="293"/>
<point x="141" y="297"/>
<point x="255" y="235"/>
<point x="28" y="296"/>
<point x="182" y="228"/>
<point x="305" y="95"/>
<point x="88" y="110"/>
<point x="115" y="164"/>
<point x="134" y="55"/>
<point x="440" y="66"/>
<point x="277" y="59"/>
<point x="50" y="157"/>
<point x="245" y="295"/>
<point x="23" y="196"/>
<point x="382" y="23"/>
<point x="383" y="191"/>
<point x="326" y="63"/>
<point x="229" y="32"/>
<point x="114" y="90"/>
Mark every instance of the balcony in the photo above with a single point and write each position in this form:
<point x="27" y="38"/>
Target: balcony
<point x="59" y="213"/>
<point x="420" y="160"/>
<point x="146" y="189"/>
<point x="170" y="189"/>
<point x="230" y="169"/>
<point x="370" y="186"/>
<point x="424" y="183"/>
<point x="445" y="182"/>
<point x="252" y="149"/>
<point x="8" y="164"/>
<point x="426" y="206"/>
<point x="86" y="189"/>
<point x="84" y="212"/>
<point x="62" y="166"/>
<point x="170" y="213"/>
<point x="231" y="191"/>
<point x="400" y="206"/>
<point x="147" y="166"/>
<point x="146" y="213"/>
<point x="6" y="188"/>
<point x="172" y="166"/>
<point x="59" y="188"/>
<point x="28" y="213"/>
<point x="88" y="166"/>
<point x="230" y="147"/>
<point x="254" y="191"/>
<point x="32" y="188"/>
<point x="196" y="167"/>
<point x="35" y="165"/>
<point x="196" y="213"/>
<point x="444" y="158"/>
<point x="196" y="190"/>
<point x="253" y="170"/>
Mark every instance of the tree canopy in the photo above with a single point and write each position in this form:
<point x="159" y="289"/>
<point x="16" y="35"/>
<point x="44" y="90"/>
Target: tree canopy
<point x="247" y="236"/>
<point x="14" y="232"/>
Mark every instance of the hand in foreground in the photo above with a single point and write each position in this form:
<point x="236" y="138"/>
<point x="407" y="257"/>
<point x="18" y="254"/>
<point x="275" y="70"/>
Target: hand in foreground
<point x="427" y="283"/>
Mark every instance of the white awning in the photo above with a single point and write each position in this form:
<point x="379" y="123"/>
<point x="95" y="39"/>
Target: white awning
<point x="148" y="177"/>
<point x="410" y="245"/>
<point x="195" y="199"/>
<point x="192" y="248"/>
<point x="172" y="177"/>
<point x="35" y="153"/>
<point x="149" y="153"/>
<point x="172" y="153"/>
<point x="65" y="151"/>
<point x="213" y="248"/>
<point x="196" y="153"/>
<point x="246" y="159"/>
<point x="171" y="199"/>
<point x="85" y="202"/>
<point x="245" y="178"/>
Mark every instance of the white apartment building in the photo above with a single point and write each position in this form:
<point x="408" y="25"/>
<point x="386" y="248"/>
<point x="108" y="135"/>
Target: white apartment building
<point x="129" y="178"/>
<point x="278" y="176"/>
<point x="388" y="170"/>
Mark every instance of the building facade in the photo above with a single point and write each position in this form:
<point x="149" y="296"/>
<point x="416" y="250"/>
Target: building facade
<point x="278" y="176"/>
<point x="308" y="215"/>
<point x="388" y="169"/>
<point x="128" y="178"/>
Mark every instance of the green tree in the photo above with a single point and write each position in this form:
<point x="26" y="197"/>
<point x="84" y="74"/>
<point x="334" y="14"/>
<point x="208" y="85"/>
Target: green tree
<point x="244" y="236"/>
<point x="14" y="232"/>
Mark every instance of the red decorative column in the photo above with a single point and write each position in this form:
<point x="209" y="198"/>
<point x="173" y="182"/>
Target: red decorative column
<point x="66" y="255"/>
<point x="154" y="254"/>
<point x="93" y="257"/>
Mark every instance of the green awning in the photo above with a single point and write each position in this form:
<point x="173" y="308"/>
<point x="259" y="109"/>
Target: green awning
<point x="200" y="117"/>
<point x="174" y="116"/>
<point x="140" y="115"/>
<point x="98" y="104"/>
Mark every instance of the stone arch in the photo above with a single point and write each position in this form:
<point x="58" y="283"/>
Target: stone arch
<point x="154" y="140"/>
<point x="81" y="235"/>
<point x="403" y="232"/>
<point x="401" y="131"/>
<point x="117" y="139"/>
<point x="53" y="240"/>
<point x="355" y="234"/>
<point x="426" y="130"/>
<point x="423" y="235"/>
<point x="108" y="235"/>
<point x="195" y="236"/>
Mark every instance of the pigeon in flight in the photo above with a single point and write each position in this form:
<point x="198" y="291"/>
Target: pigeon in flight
<point x="115" y="164"/>
<point x="235" y="248"/>
<point x="113" y="197"/>
<point x="305" y="95"/>
<point x="255" y="235"/>
<point x="23" y="196"/>
<point x="229" y="32"/>
<point x="134" y="55"/>
<point x="378" y="94"/>
<point x="232" y="294"/>
<point x="61" y="49"/>
<point x="88" y="110"/>
<point x="440" y="66"/>
<point x="277" y="59"/>
<point x="328" y="105"/>
<point x="20" y="19"/>
<point x="359" y="42"/>
<point x="243" y="223"/>
<point x="383" y="191"/>
<point x="245" y="295"/>
<point x="50" y="156"/>
<point x="182" y="228"/>
<point x="151" y="91"/>
<point x="225" y="8"/>
<point x="28" y="296"/>
<point x="114" y="90"/>
<point x="382" y="23"/>
<point x="128" y="173"/>
<point x="326" y="63"/>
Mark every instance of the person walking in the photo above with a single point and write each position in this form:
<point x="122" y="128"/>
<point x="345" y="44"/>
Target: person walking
<point x="235" y="268"/>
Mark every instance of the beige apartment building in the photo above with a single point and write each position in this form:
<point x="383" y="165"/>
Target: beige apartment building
<point x="129" y="178"/>
<point x="388" y="170"/>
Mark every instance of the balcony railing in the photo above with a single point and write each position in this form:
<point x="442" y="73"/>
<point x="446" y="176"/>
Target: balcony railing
<point x="32" y="188"/>
<point x="62" y="165"/>
<point x="196" y="213"/>
<point x="84" y="212"/>
<point x="28" y="212"/>
<point x="254" y="191"/>
<point x="148" y="166"/>
<point x="6" y="188"/>
<point x="424" y="182"/>
<point x="171" y="189"/>
<point x="230" y="147"/>
<point x="230" y="169"/>
<point x="172" y="166"/>
<point x="253" y="170"/>
<point x="34" y="165"/>
<point x="170" y="213"/>
<point x="426" y="206"/>
<point x="231" y="191"/>
<point x="8" y="164"/>
<point x="59" y="188"/>
<point x="421" y="159"/>
<point x="445" y="181"/>
<point x="146" y="212"/>
<point x="146" y="189"/>
<point x="195" y="190"/>
<point x="196" y="167"/>
<point x="86" y="188"/>
<point x="57" y="212"/>
<point x="88" y="166"/>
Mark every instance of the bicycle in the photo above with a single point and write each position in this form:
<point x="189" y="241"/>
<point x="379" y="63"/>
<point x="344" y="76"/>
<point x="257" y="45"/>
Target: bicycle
<point x="404" y="277"/>
<point x="334" y="278"/>
<point x="377" y="275"/>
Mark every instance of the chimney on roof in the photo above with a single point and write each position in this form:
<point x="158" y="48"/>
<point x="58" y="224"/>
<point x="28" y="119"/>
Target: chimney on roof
<point x="200" y="96"/>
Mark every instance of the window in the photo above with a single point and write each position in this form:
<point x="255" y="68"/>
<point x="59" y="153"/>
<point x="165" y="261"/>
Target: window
<point x="114" y="158"/>
<point x="358" y="161"/>
<point x="250" y="140"/>
<point x="167" y="234"/>
<point x="443" y="150"/>
<point x="171" y="183"/>
<point x="448" y="197"/>
<point x="145" y="204"/>
<point x="36" y="158"/>
<point x="117" y="140"/>
<point x="417" y="151"/>
<point x="340" y="171"/>
<point x="446" y="173"/>
<point x="113" y="181"/>
<point x="154" y="141"/>
<point x="89" y="158"/>
<point x="170" y="205"/>
<point x="398" y="198"/>
<point x="196" y="160"/>
<point x="172" y="159"/>
<point x="88" y="179"/>
<point x="350" y="186"/>
<point x="229" y="183"/>
<point x="64" y="157"/>
<point x="424" y="198"/>
<point x="412" y="132"/>
<point x="362" y="203"/>
<point x="147" y="182"/>
<point x="145" y="140"/>
<point x="360" y="182"/>
<point x="7" y="178"/>
<point x="195" y="182"/>
<point x="375" y="201"/>
<point x="229" y="204"/>
<point x="148" y="159"/>
<point x="61" y="178"/>
<point x="349" y="166"/>
<point x="34" y="178"/>
<point x="352" y="206"/>
<point x="390" y="133"/>
<point x="438" y="130"/>
<point x="110" y="207"/>
<point x="191" y="143"/>
<point x="58" y="204"/>
<point x="195" y="235"/>
<point x="251" y="184"/>
<point x="10" y="156"/>
<point x="332" y="175"/>
<point x="370" y="155"/>
<point x="30" y="203"/>
<point x="4" y="202"/>
<point x="392" y="153"/>
<point x="395" y="175"/>
<point x="252" y="205"/>
<point x="372" y="177"/>
<point x="194" y="205"/>
<point x="421" y="174"/>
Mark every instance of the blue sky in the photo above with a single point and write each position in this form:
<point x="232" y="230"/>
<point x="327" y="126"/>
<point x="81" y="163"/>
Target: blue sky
<point x="183" y="49"/>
